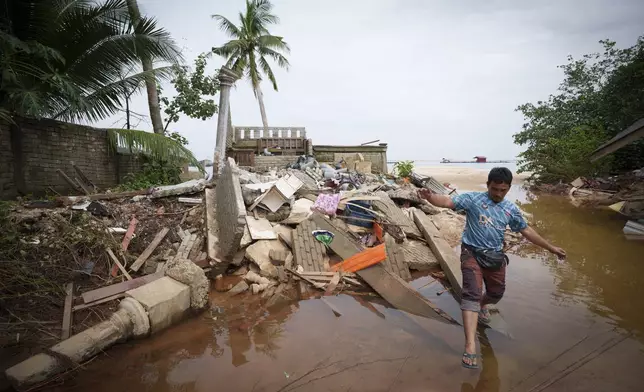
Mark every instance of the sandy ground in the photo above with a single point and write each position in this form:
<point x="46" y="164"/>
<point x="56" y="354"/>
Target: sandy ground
<point x="463" y="178"/>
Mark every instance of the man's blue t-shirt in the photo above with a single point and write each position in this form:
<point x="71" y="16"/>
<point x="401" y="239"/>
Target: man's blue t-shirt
<point x="487" y="220"/>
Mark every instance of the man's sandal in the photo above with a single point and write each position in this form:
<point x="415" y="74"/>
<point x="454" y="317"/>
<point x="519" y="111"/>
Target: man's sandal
<point x="473" y="357"/>
<point x="484" y="317"/>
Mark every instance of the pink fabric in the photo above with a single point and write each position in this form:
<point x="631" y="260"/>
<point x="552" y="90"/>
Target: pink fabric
<point x="327" y="204"/>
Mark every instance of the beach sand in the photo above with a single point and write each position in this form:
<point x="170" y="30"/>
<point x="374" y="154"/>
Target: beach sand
<point x="464" y="178"/>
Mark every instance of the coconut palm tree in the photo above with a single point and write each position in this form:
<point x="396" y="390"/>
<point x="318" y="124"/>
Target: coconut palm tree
<point x="64" y="59"/>
<point x="251" y="46"/>
<point x="150" y="83"/>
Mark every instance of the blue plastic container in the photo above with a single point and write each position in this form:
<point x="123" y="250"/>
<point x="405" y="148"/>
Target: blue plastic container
<point x="356" y="212"/>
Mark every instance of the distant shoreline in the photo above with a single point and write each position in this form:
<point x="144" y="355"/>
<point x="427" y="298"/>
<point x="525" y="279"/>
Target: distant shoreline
<point x="465" y="177"/>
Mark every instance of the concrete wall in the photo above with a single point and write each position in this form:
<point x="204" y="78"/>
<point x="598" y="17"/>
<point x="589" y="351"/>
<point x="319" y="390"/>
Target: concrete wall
<point x="377" y="155"/>
<point x="231" y="211"/>
<point x="32" y="150"/>
<point x="275" y="161"/>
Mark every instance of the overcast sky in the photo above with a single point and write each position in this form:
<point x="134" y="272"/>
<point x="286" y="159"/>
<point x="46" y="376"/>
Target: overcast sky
<point x="431" y="78"/>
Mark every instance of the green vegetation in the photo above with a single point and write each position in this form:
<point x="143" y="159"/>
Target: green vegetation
<point x="64" y="59"/>
<point x="251" y="45"/>
<point x="191" y="88"/>
<point x="600" y="96"/>
<point x="155" y="172"/>
<point x="404" y="168"/>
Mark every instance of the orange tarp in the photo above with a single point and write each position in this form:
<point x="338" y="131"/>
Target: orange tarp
<point x="362" y="260"/>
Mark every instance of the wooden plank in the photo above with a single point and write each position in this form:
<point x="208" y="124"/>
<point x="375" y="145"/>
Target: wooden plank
<point x="67" y="314"/>
<point x="449" y="261"/>
<point x="148" y="251"/>
<point x="126" y="241"/>
<point x="190" y="200"/>
<point x="118" y="263"/>
<point x="69" y="180"/>
<point x="83" y="186"/>
<point x="108" y="291"/>
<point x="313" y="283"/>
<point x="100" y="301"/>
<point x="84" y="178"/>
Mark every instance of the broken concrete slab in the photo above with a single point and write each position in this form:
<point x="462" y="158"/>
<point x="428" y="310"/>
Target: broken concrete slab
<point x="395" y="262"/>
<point x="308" y="252"/>
<point x="285" y="234"/>
<point x="419" y="256"/>
<point x="300" y="211"/>
<point x="278" y="257"/>
<point x="308" y="182"/>
<point x="246" y="238"/>
<point x="231" y="211"/>
<point x="396" y="216"/>
<point x="165" y="300"/>
<point x="188" y="273"/>
<point x="260" y="229"/>
<point x="448" y="259"/>
<point x="259" y="252"/>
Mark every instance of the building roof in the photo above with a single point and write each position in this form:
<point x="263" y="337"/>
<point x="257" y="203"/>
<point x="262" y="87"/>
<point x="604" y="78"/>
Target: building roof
<point x="622" y="139"/>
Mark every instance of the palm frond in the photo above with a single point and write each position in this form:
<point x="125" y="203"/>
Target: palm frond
<point x="152" y="144"/>
<point x="274" y="42"/>
<point x="227" y="26"/>
<point x="266" y="68"/>
<point x="229" y="48"/>
<point x="277" y="57"/>
<point x="106" y="100"/>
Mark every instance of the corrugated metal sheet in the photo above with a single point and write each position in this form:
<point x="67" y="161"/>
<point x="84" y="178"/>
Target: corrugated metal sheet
<point x="431" y="184"/>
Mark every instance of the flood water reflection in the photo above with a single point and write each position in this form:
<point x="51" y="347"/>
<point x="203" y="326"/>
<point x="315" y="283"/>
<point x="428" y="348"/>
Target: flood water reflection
<point x="575" y="326"/>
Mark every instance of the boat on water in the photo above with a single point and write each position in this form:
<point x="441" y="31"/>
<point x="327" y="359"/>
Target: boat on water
<point x="476" y="159"/>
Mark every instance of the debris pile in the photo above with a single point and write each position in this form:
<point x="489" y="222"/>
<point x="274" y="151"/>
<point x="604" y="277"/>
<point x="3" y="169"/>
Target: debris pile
<point x="623" y="194"/>
<point x="69" y="258"/>
<point x="329" y="228"/>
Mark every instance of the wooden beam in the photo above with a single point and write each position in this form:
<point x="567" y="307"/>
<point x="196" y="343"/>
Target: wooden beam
<point x="67" y="314"/>
<point x="100" y="301"/>
<point x="69" y="180"/>
<point x="84" y="178"/>
<point x="448" y="259"/>
<point x="118" y="263"/>
<point x="126" y="241"/>
<point x="148" y="251"/>
<point x="108" y="291"/>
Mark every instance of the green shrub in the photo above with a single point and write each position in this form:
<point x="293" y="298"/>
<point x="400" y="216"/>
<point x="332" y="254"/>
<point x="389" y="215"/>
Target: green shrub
<point x="404" y="168"/>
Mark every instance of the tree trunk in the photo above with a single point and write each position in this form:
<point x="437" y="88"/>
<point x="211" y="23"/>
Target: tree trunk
<point x="262" y="110"/>
<point x="150" y="82"/>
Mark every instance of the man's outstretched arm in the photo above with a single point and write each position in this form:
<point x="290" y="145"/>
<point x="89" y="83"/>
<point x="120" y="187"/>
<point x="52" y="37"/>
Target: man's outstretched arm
<point x="436" y="199"/>
<point x="531" y="235"/>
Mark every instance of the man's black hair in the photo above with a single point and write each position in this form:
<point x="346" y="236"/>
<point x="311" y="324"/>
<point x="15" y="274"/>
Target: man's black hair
<point x="500" y="175"/>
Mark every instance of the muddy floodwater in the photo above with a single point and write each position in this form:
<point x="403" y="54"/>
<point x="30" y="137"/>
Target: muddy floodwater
<point x="576" y="326"/>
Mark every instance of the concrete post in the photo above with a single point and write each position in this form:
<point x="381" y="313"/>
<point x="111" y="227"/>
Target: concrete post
<point x="226" y="79"/>
<point x="129" y="320"/>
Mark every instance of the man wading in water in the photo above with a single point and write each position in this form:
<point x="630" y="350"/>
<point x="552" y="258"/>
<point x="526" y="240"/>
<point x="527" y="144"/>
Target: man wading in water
<point x="482" y="257"/>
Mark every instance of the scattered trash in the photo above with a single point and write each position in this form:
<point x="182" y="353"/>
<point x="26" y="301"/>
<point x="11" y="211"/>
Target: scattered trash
<point x="324" y="236"/>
